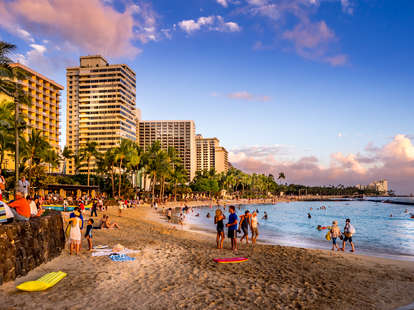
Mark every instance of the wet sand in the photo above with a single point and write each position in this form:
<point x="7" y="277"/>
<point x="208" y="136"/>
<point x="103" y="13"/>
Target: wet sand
<point x="174" y="270"/>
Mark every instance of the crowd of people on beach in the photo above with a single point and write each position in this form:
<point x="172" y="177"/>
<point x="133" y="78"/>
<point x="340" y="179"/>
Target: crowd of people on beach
<point x="248" y="221"/>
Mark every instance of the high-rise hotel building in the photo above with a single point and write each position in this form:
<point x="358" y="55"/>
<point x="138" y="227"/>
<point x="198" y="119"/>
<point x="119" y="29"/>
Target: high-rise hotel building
<point x="178" y="134"/>
<point x="100" y="105"/>
<point x="43" y="113"/>
<point x="210" y="155"/>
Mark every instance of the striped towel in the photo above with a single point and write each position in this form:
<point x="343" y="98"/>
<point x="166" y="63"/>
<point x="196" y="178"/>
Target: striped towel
<point x="121" y="258"/>
<point x="3" y="216"/>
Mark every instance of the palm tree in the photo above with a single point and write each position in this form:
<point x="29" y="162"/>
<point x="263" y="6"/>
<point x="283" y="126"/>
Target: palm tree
<point x="107" y="163"/>
<point x="178" y="175"/>
<point x="6" y="126"/>
<point x="51" y="157"/>
<point x="10" y="85"/>
<point x="281" y="176"/>
<point x="157" y="164"/>
<point x="134" y="159"/>
<point x="87" y="153"/>
<point x="34" y="150"/>
<point x="121" y="154"/>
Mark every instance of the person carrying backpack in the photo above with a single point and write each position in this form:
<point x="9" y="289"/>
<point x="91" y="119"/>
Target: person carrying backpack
<point x="349" y="230"/>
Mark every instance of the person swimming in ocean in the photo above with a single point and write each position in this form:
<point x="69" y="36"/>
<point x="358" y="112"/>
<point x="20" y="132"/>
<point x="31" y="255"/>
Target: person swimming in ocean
<point x="265" y="216"/>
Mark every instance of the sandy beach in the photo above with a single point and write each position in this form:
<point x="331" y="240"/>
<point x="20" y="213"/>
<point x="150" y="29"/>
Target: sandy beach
<point x="174" y="270"/>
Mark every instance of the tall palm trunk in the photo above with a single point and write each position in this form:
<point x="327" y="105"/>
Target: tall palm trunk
<point x="112" y="181"/>
<point x="16" y="138"/>
<point x="175" y="191"/>
<point x="154" y="178"/>
<point x="120" y="178"/>
<point x="89" y="160"/>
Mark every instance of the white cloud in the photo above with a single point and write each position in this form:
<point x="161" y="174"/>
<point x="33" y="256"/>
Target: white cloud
<point x="210" y="23"/>
<point x="223" y="3"/>
<point x="24" y="34"/>
<point x="38" y="48"/>
<point x="347" y="7"/>
<point x="245" y="95"/>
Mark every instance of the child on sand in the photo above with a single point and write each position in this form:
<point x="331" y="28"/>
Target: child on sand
<point x="335" y="233"/>
<point x="88" y="234"/>
<point x="75" y="233"/>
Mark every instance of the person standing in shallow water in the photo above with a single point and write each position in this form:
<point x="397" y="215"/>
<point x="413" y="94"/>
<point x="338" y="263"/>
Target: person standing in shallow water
<point x="244" y="225"/>
<point x="218" y="220"/>
<point x="349" y="230"/>
<point x="232" y="227"/>
<point x="335" y="233"/>
<point x="254" y="227"/>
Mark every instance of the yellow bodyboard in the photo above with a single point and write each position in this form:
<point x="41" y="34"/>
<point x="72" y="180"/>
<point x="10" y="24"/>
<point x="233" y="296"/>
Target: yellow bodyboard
<point x="43" y="283"/>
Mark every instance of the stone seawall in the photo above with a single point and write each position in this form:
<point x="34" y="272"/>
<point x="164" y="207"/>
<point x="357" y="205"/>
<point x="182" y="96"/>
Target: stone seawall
<point x="26" y="245"/>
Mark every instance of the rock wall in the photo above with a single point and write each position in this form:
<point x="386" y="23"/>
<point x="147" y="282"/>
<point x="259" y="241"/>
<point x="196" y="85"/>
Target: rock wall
<point x="26" y="245"/>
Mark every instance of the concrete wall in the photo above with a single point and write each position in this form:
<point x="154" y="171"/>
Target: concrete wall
<point x="26" y="245"/>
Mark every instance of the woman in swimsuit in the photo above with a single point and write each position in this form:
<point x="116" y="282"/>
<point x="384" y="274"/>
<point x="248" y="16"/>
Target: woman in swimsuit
<point x="218" y="220"/>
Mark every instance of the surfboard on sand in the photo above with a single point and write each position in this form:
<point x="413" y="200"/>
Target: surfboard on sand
<point x="230" y="260"/>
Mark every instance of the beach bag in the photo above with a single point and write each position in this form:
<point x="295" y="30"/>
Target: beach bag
<point x="328" y="236"/>
<point x="351" y="229"/>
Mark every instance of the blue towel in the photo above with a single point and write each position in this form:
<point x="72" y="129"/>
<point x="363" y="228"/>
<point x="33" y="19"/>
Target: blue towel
<point x="121" y="258"/>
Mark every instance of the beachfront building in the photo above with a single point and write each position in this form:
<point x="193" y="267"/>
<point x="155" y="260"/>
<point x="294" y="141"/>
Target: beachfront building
<point x="178" y="134"/>
<point x="43" y="113"/>
<point x="100" y="106"/>
<point x="210" y="155"/>
<point x="380" y="186"/>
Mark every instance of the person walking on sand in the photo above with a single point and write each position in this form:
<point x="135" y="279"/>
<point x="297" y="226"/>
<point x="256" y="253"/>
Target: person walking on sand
<point x="349" y="230"/>
<point x="218" y="220"/>
<point x="254" y="227"/>
<point x="232" y="227"/>
<point x="335" y="233"/>
<point x="88" y="234"/>
<point x="244" y="225"/>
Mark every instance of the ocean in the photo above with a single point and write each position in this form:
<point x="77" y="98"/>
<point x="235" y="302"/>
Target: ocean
<point x="377" y="233"/>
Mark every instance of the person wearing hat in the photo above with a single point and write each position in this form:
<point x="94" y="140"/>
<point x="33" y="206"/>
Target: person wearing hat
<point x="75" y="232"/>
<point x="349" y="230"/>
<point x="335" y="233"/>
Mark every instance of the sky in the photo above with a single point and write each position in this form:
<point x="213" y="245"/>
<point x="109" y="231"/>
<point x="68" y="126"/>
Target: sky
<point x="318" y="89"/>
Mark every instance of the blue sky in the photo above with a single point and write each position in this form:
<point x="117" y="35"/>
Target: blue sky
<point x="292" y="78"/>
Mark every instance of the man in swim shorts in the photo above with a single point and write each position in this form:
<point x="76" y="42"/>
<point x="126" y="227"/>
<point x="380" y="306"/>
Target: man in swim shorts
<point x="348" y="232"/>
<point x="232" y="227"/>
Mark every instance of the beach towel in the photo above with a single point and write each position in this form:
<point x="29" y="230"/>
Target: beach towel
<point x="106" y="252"/>
<point x="121" y="258"/>
<point x="3" y="217"/>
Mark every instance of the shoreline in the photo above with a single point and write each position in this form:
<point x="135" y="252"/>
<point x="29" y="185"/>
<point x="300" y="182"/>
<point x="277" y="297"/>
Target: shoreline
<point x="174" y="270"/>
<point x="269" y="241"/>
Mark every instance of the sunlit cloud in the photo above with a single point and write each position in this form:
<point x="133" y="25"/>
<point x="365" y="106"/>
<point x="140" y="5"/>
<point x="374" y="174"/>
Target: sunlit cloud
<point x="393" y="161"/>
<point x="93" y="26"/>
<point x="311" y="39"/>
<point x="210" y="23"/>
